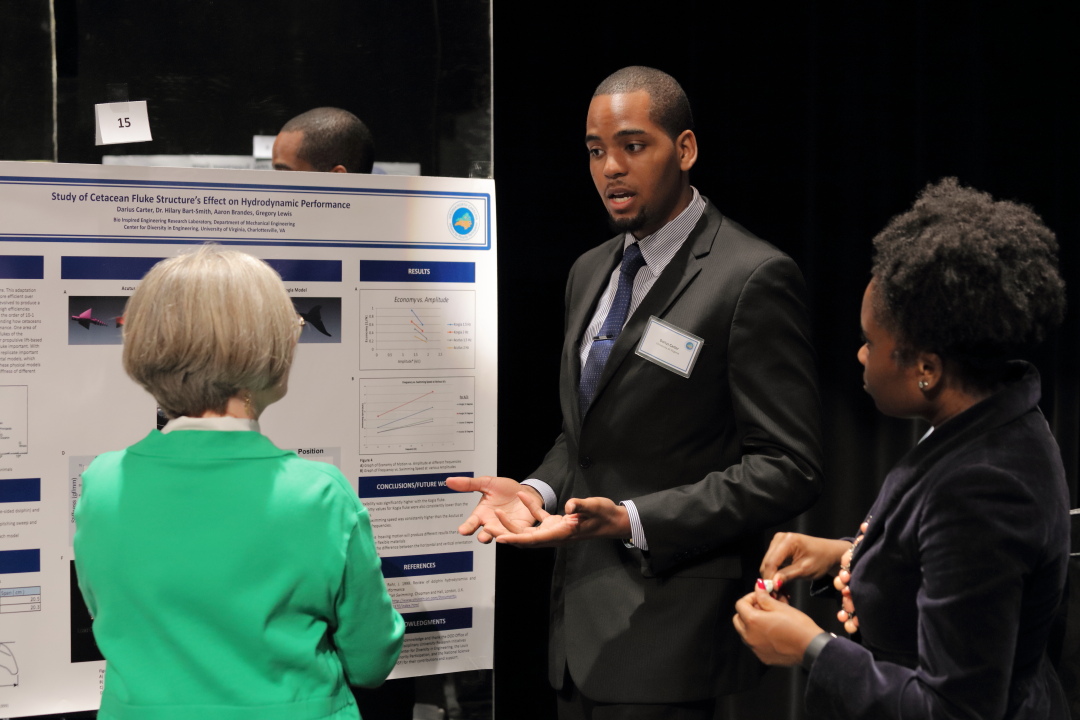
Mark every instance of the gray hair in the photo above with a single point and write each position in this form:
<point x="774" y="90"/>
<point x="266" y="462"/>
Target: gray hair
<point x="205" y="325"/>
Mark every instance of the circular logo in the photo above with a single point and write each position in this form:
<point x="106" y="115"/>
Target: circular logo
<point x="462" y="220"/>
<point x="689" y="346"/>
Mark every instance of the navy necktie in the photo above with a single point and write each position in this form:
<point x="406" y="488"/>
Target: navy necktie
<point x="613" y="324"/>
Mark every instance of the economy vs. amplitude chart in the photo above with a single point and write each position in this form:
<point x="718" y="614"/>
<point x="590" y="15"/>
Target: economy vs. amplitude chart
<point x="430" y="329"/>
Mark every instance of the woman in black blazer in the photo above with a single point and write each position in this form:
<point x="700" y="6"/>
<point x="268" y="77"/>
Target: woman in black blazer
<point x="954" y="576"/>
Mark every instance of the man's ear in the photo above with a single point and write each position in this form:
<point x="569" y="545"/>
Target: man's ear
<point x="686" y="146"/>
<point x="338" y="168"/>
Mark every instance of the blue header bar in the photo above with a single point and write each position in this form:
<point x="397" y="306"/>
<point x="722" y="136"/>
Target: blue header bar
<point x="20" y="490"/>
<point x="134" y="268"/>
<point x="390" y="485"/>
<point x="20" y="561"/>
<point x="433" y="564"/>
<point x="105" y="268"/>
<point x="454" y="619"/>
<point x="416" y="271"/>
<point x="22" y="267"/>
<point x="307" y="270"/>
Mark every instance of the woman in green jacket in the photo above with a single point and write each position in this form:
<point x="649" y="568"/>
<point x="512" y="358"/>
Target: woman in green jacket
<point x="228" y="579"/>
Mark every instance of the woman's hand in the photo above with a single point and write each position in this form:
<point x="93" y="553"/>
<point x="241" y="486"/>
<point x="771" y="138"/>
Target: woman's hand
<point x="842" y="583"/>
<point x="776" y="632"/>
<point x="794" y="555"/>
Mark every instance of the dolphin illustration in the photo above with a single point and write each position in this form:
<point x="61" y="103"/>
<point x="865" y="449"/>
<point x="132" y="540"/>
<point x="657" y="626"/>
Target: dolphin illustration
<point x="84" y="318"/>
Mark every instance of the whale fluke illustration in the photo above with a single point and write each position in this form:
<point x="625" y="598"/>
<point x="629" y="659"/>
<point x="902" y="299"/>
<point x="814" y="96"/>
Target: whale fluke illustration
<point x="313" y="317"/>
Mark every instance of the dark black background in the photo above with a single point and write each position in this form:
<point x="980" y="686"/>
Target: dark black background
<point x="214" y="73"/>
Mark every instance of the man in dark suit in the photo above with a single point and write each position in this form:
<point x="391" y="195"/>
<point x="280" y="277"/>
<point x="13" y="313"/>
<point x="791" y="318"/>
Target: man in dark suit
<point x="690" y="425"/>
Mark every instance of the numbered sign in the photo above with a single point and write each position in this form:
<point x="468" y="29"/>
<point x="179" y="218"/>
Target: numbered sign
<point x="121" y="123"/>
<point x="262" y="146"/>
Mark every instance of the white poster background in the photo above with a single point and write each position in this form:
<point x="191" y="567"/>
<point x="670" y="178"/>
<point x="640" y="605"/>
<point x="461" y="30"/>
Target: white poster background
<point x="426" y="245"/>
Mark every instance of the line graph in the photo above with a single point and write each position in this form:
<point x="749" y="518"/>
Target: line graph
<point x="407" y="328"/>
<point x="426" y="329"/>
<point x="14" y="419"/>
<point x="406" y="415"/>
<point x="9" y="666"/>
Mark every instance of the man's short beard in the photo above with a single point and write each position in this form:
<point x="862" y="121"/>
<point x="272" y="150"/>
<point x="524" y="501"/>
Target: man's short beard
<point x="629" y="224"/>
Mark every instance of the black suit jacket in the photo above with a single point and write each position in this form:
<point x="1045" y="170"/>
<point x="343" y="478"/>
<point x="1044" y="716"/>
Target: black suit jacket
<point x="711" y="461"/>
<point x="958" y="576"/>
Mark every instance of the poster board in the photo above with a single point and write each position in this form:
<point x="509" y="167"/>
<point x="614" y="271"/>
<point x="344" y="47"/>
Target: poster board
<point x="394" y="380"/>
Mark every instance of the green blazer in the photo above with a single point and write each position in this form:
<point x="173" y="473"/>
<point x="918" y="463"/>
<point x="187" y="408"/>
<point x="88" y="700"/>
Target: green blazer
<point x="229" y="579"/>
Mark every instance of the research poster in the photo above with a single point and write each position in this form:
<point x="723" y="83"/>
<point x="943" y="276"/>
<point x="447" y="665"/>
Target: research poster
<point x="394" y="381"/>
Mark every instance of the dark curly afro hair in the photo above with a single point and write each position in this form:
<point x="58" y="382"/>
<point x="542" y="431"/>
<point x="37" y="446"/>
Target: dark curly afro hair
<point x="969" y="278"/>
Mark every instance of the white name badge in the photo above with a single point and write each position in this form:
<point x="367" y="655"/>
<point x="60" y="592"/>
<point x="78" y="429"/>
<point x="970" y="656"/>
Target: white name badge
<point x="669" y="347"/>
<point x="123" y="122"/>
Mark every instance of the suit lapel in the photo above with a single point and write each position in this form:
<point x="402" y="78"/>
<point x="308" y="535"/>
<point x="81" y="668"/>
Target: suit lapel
<point x="680" y="272"/>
